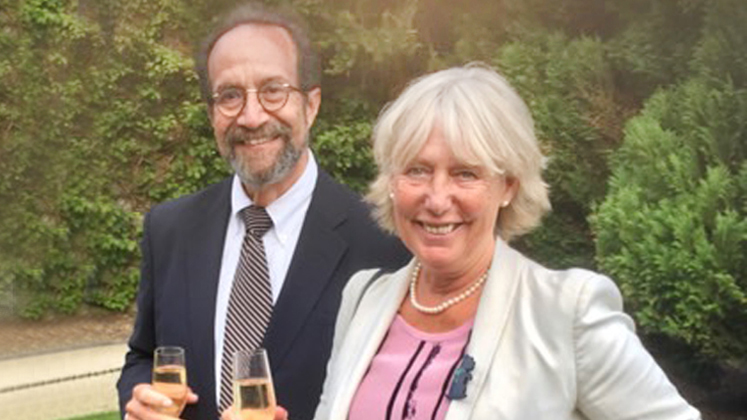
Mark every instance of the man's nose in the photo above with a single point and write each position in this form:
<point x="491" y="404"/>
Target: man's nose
<point x="253" y="114"/>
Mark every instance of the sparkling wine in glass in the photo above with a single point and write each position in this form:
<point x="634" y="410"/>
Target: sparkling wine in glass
<point x="253" y="393"/>
<point x="170" y="378"/>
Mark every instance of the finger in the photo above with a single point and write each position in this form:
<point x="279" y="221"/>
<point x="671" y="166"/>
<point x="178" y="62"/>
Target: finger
<point x="139" y="411"/>
<point x="281" y="413"/>
<point x="147" y="404"/>
<point x="229" y="414"/>
<point x="147" y="395"/>
<point x="192" y="397"/>
<point x="135" y="409"/>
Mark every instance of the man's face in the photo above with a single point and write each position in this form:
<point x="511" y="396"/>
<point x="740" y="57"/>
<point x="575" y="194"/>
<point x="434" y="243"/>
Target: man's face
<point x="263" y="147"/>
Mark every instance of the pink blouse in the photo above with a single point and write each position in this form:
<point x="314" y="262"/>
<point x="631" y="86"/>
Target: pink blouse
<point x="409" y="376"/>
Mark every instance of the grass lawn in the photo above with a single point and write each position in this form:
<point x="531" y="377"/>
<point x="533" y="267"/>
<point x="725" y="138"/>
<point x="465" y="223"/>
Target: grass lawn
<point x="113" y="415"/>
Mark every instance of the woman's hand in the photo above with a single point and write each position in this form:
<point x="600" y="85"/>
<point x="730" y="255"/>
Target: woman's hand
<point x="230" y="414"/>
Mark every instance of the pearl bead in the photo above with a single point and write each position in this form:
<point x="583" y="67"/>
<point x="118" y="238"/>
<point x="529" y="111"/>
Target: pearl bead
<point x="448" y="302"/>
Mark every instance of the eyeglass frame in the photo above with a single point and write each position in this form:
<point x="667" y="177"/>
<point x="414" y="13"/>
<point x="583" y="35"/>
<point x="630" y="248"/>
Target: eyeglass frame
<point x="287" y="88"/>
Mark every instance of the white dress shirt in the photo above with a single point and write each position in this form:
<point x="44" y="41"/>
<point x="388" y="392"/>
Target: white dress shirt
<point x="287" y="213"/>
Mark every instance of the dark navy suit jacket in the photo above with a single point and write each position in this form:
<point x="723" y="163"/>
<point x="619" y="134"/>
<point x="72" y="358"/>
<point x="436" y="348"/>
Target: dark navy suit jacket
<point x="182" y="248"/>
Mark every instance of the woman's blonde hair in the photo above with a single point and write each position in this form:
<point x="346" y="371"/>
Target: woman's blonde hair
<point x="485" y="123"/>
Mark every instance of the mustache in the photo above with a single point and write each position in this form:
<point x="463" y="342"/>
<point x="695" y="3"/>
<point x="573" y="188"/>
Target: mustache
<point x="240" y="135"/>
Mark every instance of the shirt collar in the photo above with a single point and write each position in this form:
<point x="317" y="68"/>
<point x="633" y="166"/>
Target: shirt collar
<point x="284" y="207"/>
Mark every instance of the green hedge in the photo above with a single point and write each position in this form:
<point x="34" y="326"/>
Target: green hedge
<point x="100" y="118"/>
<point x="673" y="229"/>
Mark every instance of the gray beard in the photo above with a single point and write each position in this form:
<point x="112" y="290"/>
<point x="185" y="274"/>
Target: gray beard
<point x="277" y="172"/>
<point x="283" y="166"/>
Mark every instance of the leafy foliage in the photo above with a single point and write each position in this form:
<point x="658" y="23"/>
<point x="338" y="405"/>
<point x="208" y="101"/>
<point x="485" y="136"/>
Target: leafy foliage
<point x="369" y="49"/>
<point x="721" y="51"/>
<point x="100" y="117"/>
<point x="673" y="229"/>
<point x="655" y="43"/>
<point x="344" y="150"/>
<point x="568" y="86"/>
<point x="89" y="134"/>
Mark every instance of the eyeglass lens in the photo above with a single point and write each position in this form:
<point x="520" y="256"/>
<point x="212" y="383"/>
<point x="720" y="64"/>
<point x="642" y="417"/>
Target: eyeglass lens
<point x="273" y="96"/>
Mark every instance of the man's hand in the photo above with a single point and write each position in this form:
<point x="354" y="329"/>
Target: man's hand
<point x="146" y="401"/>
<point x="230" y="414"/>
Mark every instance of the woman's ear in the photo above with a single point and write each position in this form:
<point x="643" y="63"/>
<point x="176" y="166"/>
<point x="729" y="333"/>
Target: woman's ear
<point x="512" y="188"/>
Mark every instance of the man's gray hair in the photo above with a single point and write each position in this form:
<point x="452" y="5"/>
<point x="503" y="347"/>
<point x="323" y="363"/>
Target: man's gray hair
<point x="309" y="68"/>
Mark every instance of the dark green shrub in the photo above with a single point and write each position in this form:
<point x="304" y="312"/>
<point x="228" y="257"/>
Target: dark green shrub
<point x="568" y="87"/>
<point x="673" y="228"/>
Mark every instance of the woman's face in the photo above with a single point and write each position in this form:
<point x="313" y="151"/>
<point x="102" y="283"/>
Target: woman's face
<point x="445" y="211"/>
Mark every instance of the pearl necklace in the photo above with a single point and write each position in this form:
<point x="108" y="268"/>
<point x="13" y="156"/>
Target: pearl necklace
<point x="448" y="302"/>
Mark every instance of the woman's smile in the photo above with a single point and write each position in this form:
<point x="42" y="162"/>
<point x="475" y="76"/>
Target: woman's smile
<point x="446" y="210"/>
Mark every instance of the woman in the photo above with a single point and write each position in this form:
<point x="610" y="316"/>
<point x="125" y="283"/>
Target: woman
<point x="471" y="329"/>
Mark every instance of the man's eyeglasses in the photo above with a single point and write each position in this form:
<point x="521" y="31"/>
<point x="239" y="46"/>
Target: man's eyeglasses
<point x="272" y="96"/>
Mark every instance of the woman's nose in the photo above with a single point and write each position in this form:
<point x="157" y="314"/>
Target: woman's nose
<point x="439" y="196"/>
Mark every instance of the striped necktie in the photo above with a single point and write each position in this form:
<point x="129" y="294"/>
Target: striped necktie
<point x="250" y="302"/>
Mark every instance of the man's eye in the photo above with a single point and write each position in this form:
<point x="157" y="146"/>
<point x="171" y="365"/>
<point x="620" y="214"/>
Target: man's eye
<point x="230" y="95"/>
<point x="272" y="89"/>
<point x="273" y="92"/>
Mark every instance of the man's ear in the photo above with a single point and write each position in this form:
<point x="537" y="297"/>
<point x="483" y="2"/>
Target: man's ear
<point x="313" y="100"/>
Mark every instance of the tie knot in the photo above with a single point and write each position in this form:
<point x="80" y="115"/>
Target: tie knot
<point x="257" y="220"/>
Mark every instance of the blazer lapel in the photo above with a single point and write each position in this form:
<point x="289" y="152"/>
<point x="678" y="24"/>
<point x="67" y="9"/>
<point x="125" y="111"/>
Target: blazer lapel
<point x="314" y="262"/>
<point x="202" y="270"/>
<point x="365" y="335"/>
<point x="496" y="304"/>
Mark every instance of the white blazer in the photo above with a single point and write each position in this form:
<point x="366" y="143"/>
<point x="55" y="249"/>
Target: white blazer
<point x="546" y="344"/>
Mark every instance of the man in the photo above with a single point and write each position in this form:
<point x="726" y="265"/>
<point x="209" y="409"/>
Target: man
<point x="261" y="81"/>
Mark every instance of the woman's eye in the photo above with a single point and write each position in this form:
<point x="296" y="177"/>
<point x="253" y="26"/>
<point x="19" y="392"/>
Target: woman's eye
<point x="467" y="175"/>
<point x="415" y="171"/>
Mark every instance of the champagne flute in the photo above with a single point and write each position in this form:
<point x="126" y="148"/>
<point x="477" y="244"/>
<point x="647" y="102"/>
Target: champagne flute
<point x="253" y="393"/>
<point x="170" y="378"/>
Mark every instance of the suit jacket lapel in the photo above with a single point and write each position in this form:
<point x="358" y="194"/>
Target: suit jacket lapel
<point x="315" y="259"/>
<point x="202" y="270"/>
<point x="496" y="304"/>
